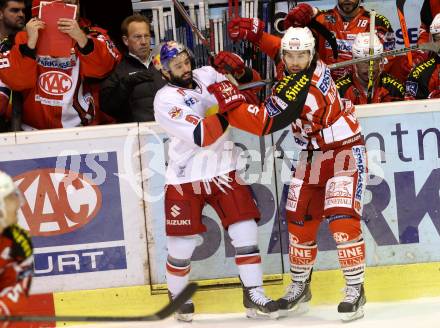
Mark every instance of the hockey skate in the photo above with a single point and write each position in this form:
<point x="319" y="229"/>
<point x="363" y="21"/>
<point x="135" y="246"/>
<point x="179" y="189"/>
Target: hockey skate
<point x="185" y="312"/>
<point x="258" y="305"/>
<point x="352" y="306"/>
<point x="296" y="299"/>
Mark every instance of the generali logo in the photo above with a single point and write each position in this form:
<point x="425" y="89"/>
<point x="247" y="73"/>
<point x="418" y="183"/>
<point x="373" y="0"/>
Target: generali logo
<point x="55" y="83"/>
<point x="57" y="201"/>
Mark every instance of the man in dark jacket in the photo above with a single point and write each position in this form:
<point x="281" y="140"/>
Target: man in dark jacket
<point x="128" y="93"/>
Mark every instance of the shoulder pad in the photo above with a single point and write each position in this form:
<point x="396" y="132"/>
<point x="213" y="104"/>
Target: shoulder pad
<point x="325" y="11"/>
<point x="423" y="69"/>
<point x="392" y="84"/>
<point x="344" y="83"/>
<point x="383" y="21"/>
<point x="344" y="80"/>
<point x="22" y="246"/>
<point x="326" y="16"/>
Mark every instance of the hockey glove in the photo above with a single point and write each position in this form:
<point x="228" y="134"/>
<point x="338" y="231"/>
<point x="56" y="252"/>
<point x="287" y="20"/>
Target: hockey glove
<point x="227" y="62"/>
<point x="227" y="95"/>
<point x="249" y="29"/>
<point x="299" y="16"/>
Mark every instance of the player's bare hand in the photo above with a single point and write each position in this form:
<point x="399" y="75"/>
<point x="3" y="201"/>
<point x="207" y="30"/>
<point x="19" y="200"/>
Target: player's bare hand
<point x="32" y="28"/>
<point x="71" y="27"/>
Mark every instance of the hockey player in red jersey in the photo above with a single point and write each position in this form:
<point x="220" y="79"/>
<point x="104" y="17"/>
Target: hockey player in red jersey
<point x="354" y="85"/>
<point x="347" y="19"/>
<point x="202" y="170"/>
<point x="423" y="81"/>
<point x="57" y="92"/>
<point x="16" y="262"/>
<point x="330" y="178"/>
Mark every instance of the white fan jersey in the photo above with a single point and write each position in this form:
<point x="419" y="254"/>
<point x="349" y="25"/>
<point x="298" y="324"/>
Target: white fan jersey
<point x="179" y="111"/>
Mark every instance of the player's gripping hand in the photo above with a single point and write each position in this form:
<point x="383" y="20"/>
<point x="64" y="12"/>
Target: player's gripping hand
<point x="227" y="95"/>
<point x="228" y="63"/>
<point x="299" y="16"/>
<point x="249" y="29"/>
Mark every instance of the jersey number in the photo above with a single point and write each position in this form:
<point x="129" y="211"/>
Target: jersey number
<point x="192" y="119"/>
<point x="363" y="23"/>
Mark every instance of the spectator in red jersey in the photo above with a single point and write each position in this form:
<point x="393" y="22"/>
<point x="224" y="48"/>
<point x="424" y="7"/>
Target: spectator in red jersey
<point x="59" y="92"/>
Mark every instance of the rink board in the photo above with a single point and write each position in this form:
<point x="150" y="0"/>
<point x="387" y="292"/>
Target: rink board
<point x="86" y="221"/>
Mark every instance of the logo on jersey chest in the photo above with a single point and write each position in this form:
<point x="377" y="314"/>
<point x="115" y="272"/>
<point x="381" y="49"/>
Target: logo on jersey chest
<point x="331" y="19"/>
<point x="55" y="83"/>
<point x="190" y="101"/>
<point x="187" y="99"/>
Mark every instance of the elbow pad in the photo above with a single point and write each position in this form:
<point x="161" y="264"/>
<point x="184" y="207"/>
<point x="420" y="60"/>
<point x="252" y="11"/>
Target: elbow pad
<point x="210" y="129"/>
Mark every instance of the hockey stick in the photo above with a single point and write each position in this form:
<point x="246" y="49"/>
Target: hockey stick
<point x="400" y="4"/>
<point x="199" y="34"/>
<point x="430" y="46"/>
<point x="255" y="84"/>
<point x="371" y="53"/>
<point x="165" y="312"/>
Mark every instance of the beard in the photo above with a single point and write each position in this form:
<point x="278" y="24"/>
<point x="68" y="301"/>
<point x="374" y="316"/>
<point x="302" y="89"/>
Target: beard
<point x="14" y="26"/>
<point x="185" y="82"/>
<point x="348" y="8"/>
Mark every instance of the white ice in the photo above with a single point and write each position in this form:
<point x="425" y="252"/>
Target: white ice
<point x="412" y="314"/>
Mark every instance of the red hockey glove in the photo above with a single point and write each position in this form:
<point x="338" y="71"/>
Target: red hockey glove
<point x="227" y="95"/>
<point x="228" y="63"/>
<point x="299" y="16"/>
<point x="245" y="29"/>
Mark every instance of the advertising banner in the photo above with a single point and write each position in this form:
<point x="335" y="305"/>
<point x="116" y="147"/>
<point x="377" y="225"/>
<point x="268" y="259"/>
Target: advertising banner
<point x="79" y="207"/>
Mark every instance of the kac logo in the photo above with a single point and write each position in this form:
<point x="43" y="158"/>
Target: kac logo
<point x="55" y="83"/>
<point x="57" y="201"/>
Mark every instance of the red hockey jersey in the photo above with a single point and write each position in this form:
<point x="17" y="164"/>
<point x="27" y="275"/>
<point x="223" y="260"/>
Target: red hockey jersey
<point x="345" y="33"/>
<point x="16" y="265"/>
<point x="324" y="121"/>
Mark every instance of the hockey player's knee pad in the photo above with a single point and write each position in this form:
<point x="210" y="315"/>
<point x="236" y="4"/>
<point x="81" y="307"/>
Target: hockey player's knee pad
<point x="345" y="228"/>
<point x="180" y="247"/>
<point x="244" y="233"/>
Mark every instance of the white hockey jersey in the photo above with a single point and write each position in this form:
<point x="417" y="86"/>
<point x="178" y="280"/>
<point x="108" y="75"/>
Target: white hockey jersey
<point x="178" y="111"/>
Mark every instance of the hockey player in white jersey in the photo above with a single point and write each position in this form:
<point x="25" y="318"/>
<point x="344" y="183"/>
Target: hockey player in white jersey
<point x="201" y="169"/>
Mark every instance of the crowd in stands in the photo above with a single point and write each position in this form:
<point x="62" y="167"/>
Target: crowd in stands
<point x="100" y="84"/>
